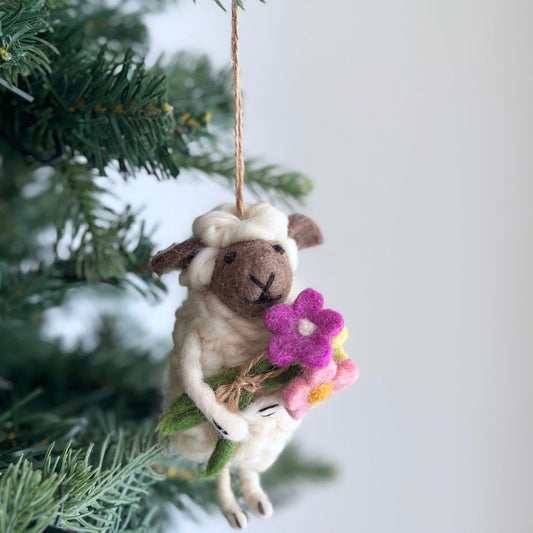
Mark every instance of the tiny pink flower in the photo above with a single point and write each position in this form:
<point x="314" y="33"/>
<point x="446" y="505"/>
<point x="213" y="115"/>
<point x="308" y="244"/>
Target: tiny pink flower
<point x="303" y="332"/>
<point x="314" y="386"/>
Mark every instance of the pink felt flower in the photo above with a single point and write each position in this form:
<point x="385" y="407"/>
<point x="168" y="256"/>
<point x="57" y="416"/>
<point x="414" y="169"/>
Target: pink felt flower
<point x="303" y="332"/>
<point x="314" y="386"/>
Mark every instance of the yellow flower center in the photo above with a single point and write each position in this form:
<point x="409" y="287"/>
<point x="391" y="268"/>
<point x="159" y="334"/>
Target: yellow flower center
<point x="320" y="393"/>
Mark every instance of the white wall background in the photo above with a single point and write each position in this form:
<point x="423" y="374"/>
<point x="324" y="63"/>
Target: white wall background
<point x="415" y="119"/>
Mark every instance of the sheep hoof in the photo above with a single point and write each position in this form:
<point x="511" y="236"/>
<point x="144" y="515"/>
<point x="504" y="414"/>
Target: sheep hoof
<point x="231" y="426"/>
<point x="237" y="519"/>
<point x="219" y="428"/>
<point x="262" y="408"/>
<point x="264" y="508"/>
<point x="254" y="496"/>
<point x="269" y="410"/>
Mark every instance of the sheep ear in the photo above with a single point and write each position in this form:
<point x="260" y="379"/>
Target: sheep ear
<point x="304" y="231"/>
<point x="175" y="257"/>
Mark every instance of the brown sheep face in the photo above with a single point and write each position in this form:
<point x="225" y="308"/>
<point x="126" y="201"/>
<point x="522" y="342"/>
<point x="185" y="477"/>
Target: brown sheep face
<point x="251" y="276"/>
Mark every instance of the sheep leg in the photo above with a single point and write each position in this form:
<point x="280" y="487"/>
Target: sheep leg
<point x="228" y="504"/>
<point x="254" y="495"/>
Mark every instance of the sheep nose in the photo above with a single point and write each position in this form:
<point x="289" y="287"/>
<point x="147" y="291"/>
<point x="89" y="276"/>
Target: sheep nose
<point x="264" y="287"/>
<point x="264" y="297"/>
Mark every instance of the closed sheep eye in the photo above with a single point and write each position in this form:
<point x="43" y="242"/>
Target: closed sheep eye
<point x="278" y="248"/>
<point x="230" y="257"/>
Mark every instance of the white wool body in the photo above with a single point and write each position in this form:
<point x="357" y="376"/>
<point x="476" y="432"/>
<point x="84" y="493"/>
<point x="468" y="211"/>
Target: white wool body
<point x="226" y="341"/>
<point x="208" y="338"/>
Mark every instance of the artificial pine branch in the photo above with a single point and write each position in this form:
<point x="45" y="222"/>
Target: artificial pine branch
<point x="77" y="448"/>
<point x="105" y="251"/>
<point x="27" y="501"/>
<point x="22" y="49"/>
<point x="194" y="87"/>
<point x="87" y="26"/>
<point x="263" y="180"/>
<point x="89" y="107"/>
<point x="99" y="244"/>
<point x="100" y="396"/>
<point x="87" y="489"/>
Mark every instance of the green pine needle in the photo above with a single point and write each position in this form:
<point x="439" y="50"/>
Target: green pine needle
<point x="22" y="50"/>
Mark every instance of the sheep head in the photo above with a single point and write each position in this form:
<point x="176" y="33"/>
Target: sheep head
<point x="248" y="264"/>
<point x="251" y="276"/>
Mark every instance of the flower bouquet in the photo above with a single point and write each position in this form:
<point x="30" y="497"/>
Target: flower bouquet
<point x="304" y="360"/>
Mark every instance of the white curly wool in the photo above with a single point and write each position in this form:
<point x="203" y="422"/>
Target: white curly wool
<point x="199" y="272"/>
<point x="221" y="227"/>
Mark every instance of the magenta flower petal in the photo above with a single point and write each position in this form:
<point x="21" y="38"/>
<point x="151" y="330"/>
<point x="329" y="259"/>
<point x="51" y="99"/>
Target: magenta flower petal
<point x="279" y="351"/>
<point x="308" y="303"/>
<point x="329" y="323"/>
<point x="279" y="318"/>
<point x="303" y="332"/>
<point x="316" y="351"/>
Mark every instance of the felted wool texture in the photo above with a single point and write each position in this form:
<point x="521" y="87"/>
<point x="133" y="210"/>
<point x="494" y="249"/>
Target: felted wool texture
<point x="198" y="274"/>
<point x="221" y="227"/>
<point x="347" y="374"/>
<point x="254" y="496"/>
<point x="176" y="256"/>
<point x="209" y="336"/>
<point x="227" y="502"/>
<point x="223" y="340"/>
<point x="223" y="451"/>
<point x="313" y="386"/>
<point x="304" y="231"/>
<point x="303" y="331"/>
<point x="250" y="276"/>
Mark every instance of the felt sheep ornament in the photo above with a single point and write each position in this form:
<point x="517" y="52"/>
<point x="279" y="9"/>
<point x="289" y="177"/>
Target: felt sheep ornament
<point x="235" y="271"/>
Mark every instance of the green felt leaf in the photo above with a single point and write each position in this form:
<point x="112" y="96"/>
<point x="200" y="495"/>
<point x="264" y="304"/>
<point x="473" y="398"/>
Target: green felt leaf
<point x="220" y="457"/>
<point x="170" y="425"/>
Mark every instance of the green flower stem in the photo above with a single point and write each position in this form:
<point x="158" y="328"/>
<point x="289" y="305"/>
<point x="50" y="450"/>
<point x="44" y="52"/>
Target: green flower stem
<point x="183" y="414"/>
<point x="219" y="458"/>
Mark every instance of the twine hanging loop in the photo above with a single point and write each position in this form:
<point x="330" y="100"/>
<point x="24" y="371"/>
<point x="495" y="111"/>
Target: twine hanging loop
<point x="231" y="392"/>
<point x="237" y="101"/>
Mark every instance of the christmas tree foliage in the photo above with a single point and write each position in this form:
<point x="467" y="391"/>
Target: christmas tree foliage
<point x="78" y="443"/>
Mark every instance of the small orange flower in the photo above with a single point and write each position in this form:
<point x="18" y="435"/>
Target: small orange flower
<point x="320" y="393"/>
<point x="314" y="386"/>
